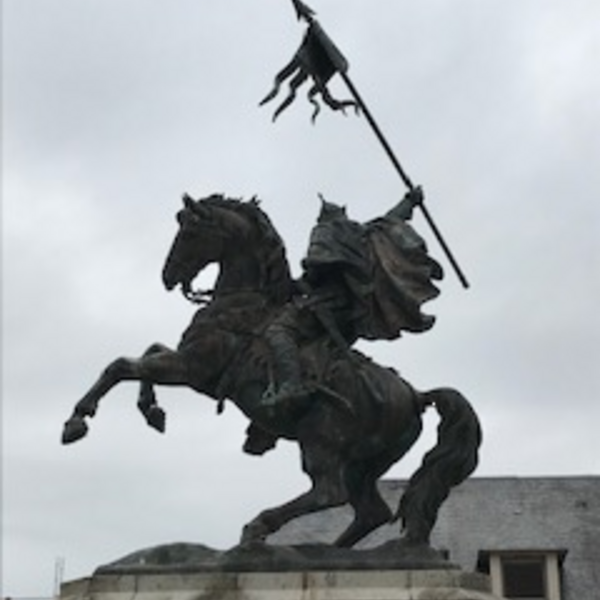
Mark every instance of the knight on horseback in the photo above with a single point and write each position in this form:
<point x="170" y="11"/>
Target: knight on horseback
<point x="360" y="281"/>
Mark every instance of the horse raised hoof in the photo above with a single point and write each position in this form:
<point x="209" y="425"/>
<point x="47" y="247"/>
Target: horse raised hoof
<point x="75" y="428"/>
<point x="156" y="418"/>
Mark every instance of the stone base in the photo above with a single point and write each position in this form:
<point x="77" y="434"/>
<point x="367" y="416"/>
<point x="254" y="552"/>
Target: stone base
<point x="394" y="571"/>
<point x="260" y="557"/>
<point x="421" y="584"/>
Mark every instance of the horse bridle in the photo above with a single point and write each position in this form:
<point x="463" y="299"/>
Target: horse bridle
<point x="200" y="297"/>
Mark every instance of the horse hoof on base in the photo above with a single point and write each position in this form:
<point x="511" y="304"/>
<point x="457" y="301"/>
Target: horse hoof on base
<point x="75" y="428"/>
<point x="253" y="534"/>
<point x="157" y="419"/>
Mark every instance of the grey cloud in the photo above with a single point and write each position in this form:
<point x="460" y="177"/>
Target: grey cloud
<point x="112" y="109"/>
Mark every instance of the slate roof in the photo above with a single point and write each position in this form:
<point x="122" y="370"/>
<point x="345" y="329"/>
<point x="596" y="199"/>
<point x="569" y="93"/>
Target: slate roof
<point x="500" y="513"/>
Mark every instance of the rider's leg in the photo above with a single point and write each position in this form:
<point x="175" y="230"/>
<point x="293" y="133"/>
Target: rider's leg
<point x="282" y="339"/>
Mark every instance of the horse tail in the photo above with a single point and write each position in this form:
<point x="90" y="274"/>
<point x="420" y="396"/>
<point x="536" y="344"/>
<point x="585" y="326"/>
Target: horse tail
<point x="449" y="463"/>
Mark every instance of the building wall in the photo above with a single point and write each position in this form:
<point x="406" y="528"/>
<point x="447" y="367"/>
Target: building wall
<point x="497" y="514"/>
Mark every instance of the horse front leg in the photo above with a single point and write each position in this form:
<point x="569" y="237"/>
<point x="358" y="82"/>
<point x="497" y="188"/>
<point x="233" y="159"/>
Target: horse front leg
<point x="154" y="415"/>
<point x="164" y="367"/>
<point x="76" y="427"/>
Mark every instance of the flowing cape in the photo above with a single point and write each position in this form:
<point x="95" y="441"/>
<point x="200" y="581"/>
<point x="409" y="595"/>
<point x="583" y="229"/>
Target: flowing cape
<point x="386" y="267"/>
<point x="403" y="274"/>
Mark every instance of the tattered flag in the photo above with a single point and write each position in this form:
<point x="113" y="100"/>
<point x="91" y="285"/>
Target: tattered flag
<point x="318" y="59"/>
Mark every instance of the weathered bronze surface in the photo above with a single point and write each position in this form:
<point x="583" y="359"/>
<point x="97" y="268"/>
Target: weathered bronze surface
<point x="281" y="350"/>
<point x="258" y="557"/>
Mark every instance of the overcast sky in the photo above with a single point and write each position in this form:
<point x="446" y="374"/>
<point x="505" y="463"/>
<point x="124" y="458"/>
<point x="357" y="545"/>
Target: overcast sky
<point x="113" y="108"/>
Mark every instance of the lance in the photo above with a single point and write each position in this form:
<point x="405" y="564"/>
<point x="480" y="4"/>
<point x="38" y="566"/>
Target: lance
<point x="319" y="58"/>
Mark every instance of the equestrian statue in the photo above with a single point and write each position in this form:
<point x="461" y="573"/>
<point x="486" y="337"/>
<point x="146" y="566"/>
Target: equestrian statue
<point x="282" y="350"/>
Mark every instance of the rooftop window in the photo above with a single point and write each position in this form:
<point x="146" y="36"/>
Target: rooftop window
<point x="524" y="575"/>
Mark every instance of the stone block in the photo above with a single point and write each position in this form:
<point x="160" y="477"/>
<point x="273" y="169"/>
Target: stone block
<point x="438" y="584"/>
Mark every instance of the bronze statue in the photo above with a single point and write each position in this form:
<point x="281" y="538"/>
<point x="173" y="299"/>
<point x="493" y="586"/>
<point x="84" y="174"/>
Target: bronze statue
<point x="355" y="418"/>
<point x="360" y="281"/>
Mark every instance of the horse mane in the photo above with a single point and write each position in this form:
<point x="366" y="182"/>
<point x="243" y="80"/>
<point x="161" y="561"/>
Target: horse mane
<point x="276" y="275"/>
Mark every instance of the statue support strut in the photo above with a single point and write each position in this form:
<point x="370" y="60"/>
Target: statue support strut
<point x="319" y="58"/>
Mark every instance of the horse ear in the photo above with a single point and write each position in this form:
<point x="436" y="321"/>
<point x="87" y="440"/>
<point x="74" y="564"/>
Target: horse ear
<point x="188" y="201"/>
<point x="195" y="206"/>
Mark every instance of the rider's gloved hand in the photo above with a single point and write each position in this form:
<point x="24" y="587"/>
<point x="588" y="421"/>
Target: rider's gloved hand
<point x="415" y="196"/>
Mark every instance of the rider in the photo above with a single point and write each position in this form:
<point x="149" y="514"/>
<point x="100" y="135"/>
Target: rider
<point x="360" y="281"/>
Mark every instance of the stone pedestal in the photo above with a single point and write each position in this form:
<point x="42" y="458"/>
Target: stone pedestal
<point x="393" y="571"/>
<point x="316" y="585"/>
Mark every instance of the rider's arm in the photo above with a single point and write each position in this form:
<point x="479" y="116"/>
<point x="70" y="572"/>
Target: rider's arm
<point x="404" y="208"/>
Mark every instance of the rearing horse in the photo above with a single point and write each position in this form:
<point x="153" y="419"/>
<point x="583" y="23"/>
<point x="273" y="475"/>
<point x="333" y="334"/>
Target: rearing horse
<point x="360" y="419"/>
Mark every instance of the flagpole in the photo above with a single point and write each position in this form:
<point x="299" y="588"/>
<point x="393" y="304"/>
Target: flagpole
<point x="305" y="12"/>
<point x="388" y="150"/>
<point x="405" y="178"/>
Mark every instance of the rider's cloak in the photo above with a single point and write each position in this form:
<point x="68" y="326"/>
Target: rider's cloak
<point x="386" y="268"/>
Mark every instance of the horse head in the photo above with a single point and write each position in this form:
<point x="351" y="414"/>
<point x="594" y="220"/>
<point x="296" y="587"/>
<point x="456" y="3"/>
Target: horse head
<point x="237" y="236"/>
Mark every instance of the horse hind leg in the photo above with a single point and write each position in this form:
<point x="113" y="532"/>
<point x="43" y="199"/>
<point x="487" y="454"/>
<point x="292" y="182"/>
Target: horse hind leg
<point x="325" y="468"/>
<point x="370" y="510"/>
